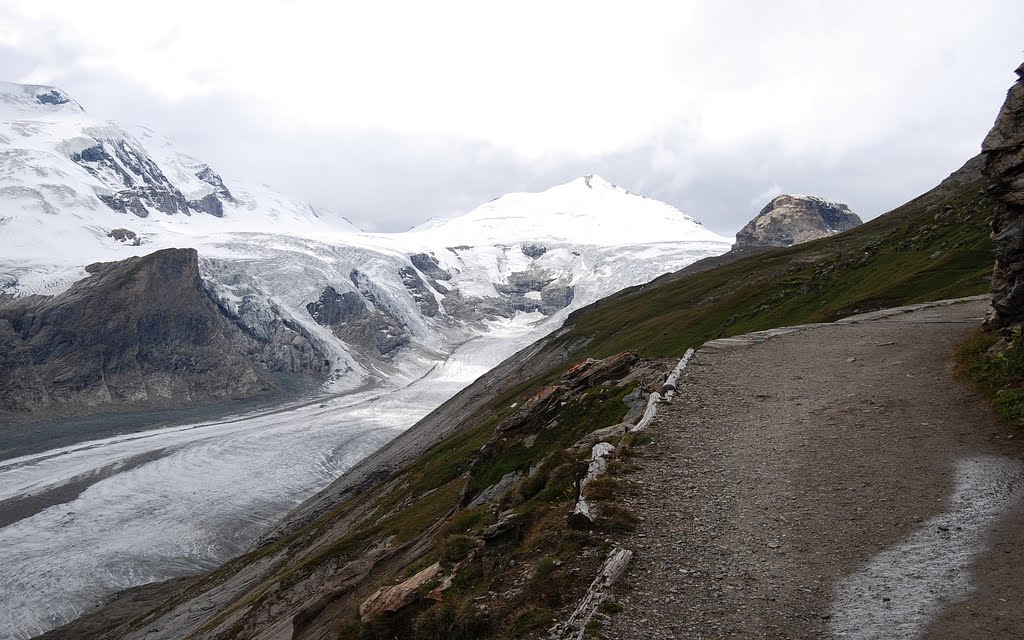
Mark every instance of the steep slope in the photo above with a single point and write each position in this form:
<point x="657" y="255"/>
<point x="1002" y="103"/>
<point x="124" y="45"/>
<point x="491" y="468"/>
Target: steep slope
<point x="512" y="562"/>
<point x="140" y="330"/>
<point x="80" y="177"/>
<point x="935" y="246"/>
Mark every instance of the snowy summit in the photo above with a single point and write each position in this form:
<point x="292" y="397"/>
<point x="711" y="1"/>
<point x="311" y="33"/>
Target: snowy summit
<point x="588" y="210"/>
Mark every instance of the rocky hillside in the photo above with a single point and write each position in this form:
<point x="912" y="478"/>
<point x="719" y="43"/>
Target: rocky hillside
<point x="460" y="527"/>
<point x="789" y="220"/>
<point x="1003" y="151"/>
<point x="143" y="331"/>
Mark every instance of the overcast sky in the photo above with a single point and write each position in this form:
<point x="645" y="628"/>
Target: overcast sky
<point x="395" y="112"/>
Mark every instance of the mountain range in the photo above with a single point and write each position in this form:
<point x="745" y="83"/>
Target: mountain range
<point x="94" y="218"/>
<point x="140" y="288"/>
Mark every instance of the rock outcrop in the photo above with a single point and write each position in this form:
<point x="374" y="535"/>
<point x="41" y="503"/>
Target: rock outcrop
<point x="119" y="163"/>
<point x="145" y="332"/>
<point x="391" y="599"/>
<point x="354" y="318"/>
<point x="1003" y="151"/>
<point x="789" y="220"/>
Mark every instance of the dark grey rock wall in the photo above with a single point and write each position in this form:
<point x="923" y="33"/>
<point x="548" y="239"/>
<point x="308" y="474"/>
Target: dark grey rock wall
<point x="1003" y="152"/>
<point x="142" y="331"/>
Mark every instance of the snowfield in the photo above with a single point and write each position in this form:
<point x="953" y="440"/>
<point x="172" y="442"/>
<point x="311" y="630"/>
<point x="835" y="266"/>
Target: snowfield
<point x="179" y="500"/>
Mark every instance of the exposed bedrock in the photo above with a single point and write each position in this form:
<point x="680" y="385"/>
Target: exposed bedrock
<point x="420" y="292"/>
<point x="142" y="331"/>
<point x="1003" y="152"/>
<point x="789" y="220"/>
<point x="428" y="266"/>
<point x="145" y="186"/>
<point x="364" y="326"/>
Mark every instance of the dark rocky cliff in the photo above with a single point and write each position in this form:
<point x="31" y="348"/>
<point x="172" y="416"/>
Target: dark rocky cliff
<point x="789" y="220"/>
<point x="1003" y="151"/>
<point x="140" y="332"/>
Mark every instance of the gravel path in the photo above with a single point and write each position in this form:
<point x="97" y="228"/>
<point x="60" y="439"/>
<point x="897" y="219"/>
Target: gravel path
<point x="836" y="482"/>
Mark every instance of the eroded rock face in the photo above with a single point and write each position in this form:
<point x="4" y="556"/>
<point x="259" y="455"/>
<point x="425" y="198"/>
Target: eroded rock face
<point x="142" y="331"/>
<point x="789" y="220"/>
<point x="373" y="331"/>
<point x="52" y="97"/>
<point x="144" y="184"/>
<point x="418" y="289"/>
<point x="1003" y="152"/>
<point x="534" y="251"/>
<point x="428" y="265"/>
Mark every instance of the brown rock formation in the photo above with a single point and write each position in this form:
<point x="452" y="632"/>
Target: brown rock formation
<point x="789" y="220"/>
<point x="391" y="599"/>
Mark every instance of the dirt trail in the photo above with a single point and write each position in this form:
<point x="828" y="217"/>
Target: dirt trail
<point x="836" y="482"/>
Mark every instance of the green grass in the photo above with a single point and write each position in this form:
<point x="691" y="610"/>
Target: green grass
<point x="999" y="376"/>
<point x="904" y="257"/>
<point x="597" y="408"/>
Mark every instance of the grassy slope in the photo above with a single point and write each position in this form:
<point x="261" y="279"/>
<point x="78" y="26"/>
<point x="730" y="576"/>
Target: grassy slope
<point x="903" y="257"/>
<point x="920" y="251"/>
<point x="995" y="367"/>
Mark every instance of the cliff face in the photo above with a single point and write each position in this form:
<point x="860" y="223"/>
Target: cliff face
<point x="1003" y="151"/>
<point x="141" y="331"/>
<point x="789" y="220"/>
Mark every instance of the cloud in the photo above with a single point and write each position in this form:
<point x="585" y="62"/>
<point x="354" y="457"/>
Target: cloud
<point x="393" y="113"/>
<point x="766" y="196"/>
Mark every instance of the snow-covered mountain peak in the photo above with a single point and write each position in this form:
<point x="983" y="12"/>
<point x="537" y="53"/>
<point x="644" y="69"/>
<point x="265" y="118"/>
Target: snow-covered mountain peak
<point x="587" y="210"/>
<point x="18" y="100"/>
<point x="74" y="188"/>
<point x="594" y="181"/>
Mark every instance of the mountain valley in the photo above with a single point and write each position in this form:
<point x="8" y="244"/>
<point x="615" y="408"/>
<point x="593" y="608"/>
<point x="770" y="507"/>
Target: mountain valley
<point x="479" y="422"/>
<point x="136" y="279"/>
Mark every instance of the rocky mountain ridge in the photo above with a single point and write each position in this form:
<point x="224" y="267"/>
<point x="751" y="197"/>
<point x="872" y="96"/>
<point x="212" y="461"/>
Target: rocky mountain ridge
<point x="792" y="219"/>
<point x="123" y="334"/>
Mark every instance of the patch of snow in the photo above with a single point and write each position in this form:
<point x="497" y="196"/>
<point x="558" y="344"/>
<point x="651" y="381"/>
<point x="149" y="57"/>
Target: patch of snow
<point x="818" y="199"/>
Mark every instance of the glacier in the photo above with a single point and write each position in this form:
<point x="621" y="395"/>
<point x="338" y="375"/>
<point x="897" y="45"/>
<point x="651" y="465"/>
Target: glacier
<point x="464" y="293"/>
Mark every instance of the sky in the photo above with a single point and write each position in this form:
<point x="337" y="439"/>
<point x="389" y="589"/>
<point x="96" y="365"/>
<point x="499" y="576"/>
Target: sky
<point x="395" y="112"/>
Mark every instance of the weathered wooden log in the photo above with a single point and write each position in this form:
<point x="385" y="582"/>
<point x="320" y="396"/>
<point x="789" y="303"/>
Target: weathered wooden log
<point x="673" y="378"/>
<point x="575" y="626"/>
<point x="649" y="412"/>
<point x="582" y="516"/>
